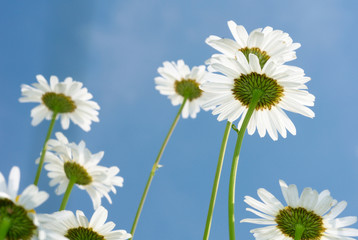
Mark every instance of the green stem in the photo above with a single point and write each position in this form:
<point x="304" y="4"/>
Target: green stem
<point x="299" y="231"/>
<point x="154" y="168"/>
<point x="5" y="224"/>
<point x="256" y="95"/>
<point x="67" y="193"/>
<point x="43" y="153"/>
<point x="216" y="181"/>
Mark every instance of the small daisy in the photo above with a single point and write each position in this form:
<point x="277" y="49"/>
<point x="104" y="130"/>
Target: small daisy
<point x="75" y="162"/>
<point x="67" y="99"/>
<point x="280" y="86"/>
<point x="79" y="228"/>
<point x="19" y="209"/>
<point x="313" y="214"/>
<point x="265" y="43"/>
<point x="177" y="81"/>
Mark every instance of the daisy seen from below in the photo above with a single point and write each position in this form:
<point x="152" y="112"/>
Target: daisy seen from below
<point x="79" y="228"/>
<point x="69" y="164"/>
<point x="277" y="87"/>
<point x="18" y="220"/>
<point x="182" y="86"/>
<point x="264" y="43"/>
<point x="67" y="99"/>
<point x="310" y="216"/>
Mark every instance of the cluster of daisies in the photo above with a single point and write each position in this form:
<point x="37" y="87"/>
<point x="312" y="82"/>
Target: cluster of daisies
<point x="68" y="164"/>
<point x="249" y="77"/>
<point x="251" y="62"/>
<point x="251" y="72"/>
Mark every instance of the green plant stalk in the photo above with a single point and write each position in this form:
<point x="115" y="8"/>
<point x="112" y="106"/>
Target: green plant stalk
<point x="256" y="95"/>
<point x="299" y="231"/>
<point x="5" y="224"/>
<point x="154" y="168"/>
<point x="70" y="185"/>
<point x="43" y="153"/>
<point x="216" y="181"/>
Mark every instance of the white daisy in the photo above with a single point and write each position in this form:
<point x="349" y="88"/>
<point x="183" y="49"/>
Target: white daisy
<point x="313" y="212"/>
<point x="281" y="86"/>
<point x="67" y="99"/>
<point x="265" y="43"/>
<point x="19" y="209"/>
<point x="178" y="81"/>
<point x="70" y="160"/>
<point x="79" y="228"/>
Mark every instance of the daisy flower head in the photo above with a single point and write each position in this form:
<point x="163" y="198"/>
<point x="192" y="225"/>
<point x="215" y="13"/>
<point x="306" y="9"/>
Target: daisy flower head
<point x="74" y="162"/>
<point x="278" y="87"/>
<point x="79" y="228"/>
<point x="67" y="99"/>
<point x="265" y="43"/>
<point x="313" y="214"/>
<point x="177" y="81"/>
<point x="18" y="210"/>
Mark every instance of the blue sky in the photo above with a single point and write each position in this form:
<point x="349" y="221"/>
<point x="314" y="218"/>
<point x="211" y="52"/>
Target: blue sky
<point x="115" y="48"/>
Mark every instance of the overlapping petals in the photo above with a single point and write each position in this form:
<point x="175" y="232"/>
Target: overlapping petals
<point x="272" y="120"/>
<point x="277" y="44"/>
<point x="103" y="179"/>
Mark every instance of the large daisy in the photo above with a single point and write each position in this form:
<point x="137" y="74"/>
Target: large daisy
<point x="281" y="87"/>
<point x="74" y="161"/>
<point x="177" y="81"/>
<point x="79" y="228"/>
<point x="313" y="214"/>
<point x="67" y="99"/>
<point x="18" y="210"/>
<point x="265" y="43"/>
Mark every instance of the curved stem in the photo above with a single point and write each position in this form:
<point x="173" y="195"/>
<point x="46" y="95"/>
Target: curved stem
<point x="235" y="161"/>
<point x="5" y="224"/>
<point x="67" y="193"/>
<point x="43" y="153"/>
<point x="216" y="181"/>
<point x="299" y="231"/>
<point x="155" y="167"/>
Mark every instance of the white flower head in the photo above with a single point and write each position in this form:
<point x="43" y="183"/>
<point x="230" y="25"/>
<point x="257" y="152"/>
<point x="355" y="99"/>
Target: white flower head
<point x="70" y="160"/>
<point x="177" y="81"/>
<point x="315" y="212"/>
<point x="68" y="99"/>
<point x="79" y="228"/>
<point x="19" y="209"/>
<point x="281" y="87"/>
<point x="265" y="43"/>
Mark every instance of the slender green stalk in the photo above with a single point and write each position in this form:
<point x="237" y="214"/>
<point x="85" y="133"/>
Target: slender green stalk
<point x="216" y="181"/>
<point x="299" y="231"/>
<point x="255" y="99"/>
<point x="67" y="193"/>
<point x="5" y="224"/>
<point x="42" y="158"/>
<point x="155" y="167"/>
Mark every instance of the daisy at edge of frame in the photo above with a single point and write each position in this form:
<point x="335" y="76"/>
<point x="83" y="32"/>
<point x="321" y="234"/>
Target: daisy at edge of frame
<point x="25" y="223"/>
<point x="79" y="228"/>
<point x="280" y="86"/>
<point x="178" y="81"/>
<point x="67" y="99"/>
<point x="66" y="160"/>
<point x="264" y="43"/>
<point x="316" y="212"/>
